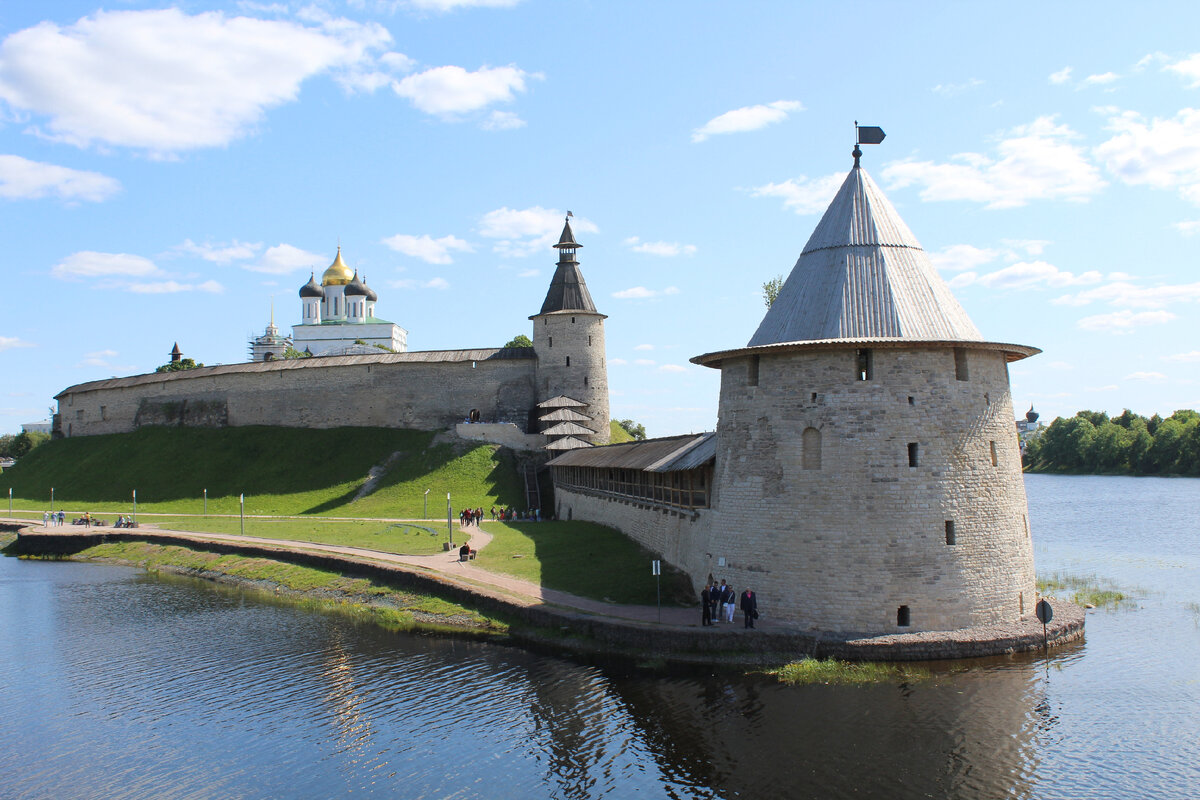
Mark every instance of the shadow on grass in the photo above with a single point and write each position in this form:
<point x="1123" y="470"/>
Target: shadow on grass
<point x="583" y="558"/>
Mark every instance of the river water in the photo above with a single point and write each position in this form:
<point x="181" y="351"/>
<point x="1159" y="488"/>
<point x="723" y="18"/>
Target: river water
<point x="122" y="685"/>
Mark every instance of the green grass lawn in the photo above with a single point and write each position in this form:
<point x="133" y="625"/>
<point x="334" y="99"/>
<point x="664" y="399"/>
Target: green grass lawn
<point x="582" y="558"/>
<point x="390" y="537"/>
<point x="277" y="469"/>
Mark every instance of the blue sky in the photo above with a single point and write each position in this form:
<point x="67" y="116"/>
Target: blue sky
<point x="168" y="170"/>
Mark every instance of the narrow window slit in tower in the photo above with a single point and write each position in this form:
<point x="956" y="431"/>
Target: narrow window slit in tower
<point x="950" y="538"/>
<point x="572" y="320"/>
<point x="960" y="364"/>
<point x="550" y="339"/>
<point x="903" y="617"/>
<point x="913" y="453"/>
<point x="589" y="341"/>
<point x="1021" y="604"/>
<point x="864" y="364"/>
<point x="995" y="460"/>
<point x="814" y="397"/>
<point x="911" y="401"/>
<point x="585" y="380"/>
<point x="987" y="398"/>
<point x="752" y="372"/>
<point x="568" y="361"/>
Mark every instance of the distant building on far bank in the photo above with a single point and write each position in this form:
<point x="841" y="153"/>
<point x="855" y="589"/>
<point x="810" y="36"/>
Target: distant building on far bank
<point x="1028" y="427"/>
<point x="36" y="427"/>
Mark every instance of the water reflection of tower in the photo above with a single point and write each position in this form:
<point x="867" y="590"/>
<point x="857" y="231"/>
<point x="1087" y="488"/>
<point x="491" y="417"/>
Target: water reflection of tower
<point x="968" y="735"/>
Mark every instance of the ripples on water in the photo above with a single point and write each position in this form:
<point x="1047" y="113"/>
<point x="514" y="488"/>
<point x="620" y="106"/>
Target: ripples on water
<point x="119" y="685"/>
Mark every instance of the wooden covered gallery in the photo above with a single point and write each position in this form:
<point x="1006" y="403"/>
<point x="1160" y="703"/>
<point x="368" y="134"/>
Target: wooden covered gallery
<point x="673" y="472"/>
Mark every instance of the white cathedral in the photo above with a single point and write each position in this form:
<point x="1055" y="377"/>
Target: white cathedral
<point x="338" y="316"/>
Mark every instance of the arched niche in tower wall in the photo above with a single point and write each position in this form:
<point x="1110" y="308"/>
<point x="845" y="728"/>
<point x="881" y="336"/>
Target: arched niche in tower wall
<point x="810" y="443"/>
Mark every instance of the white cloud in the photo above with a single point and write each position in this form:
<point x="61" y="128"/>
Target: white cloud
<point x="284" y="258"/>
<point x="90" y="264"/>
<point x="220" y="253"/>
<point x="174" y="287"/>
<point x="1151" y="377"/>
<point x="645" y="362"/>
<point x="802" y="195"/>
<point x="665" y="249"/>
<point x="1033" y="247"/>
<point x="1026" y="274"/>
<point x="672" y="368"/>
<point x="1188" y="228"/>
<point x="451" y="90"/>
<point x="617" y="362"/>
<point x="1124" y="321"/>
<point x="451" y="5"/>
<point x="165" y="81"/>
<point x="747" y="118"/>
<point x="955" y="89"/>
<point x="1103" y="79"/>
<point x="1163" y="153"/>
<point x="432" y="283"/>
<point x="642" y="293"/>
<point x="523" y="232"/>
<point x="428" y="249"/>
<point x="12" y="342"/>
<point x="1130" y="295"/>
<point x="1035" y="162"/>
<point x="1188" y="68"/>
<point x="1062" y="76"/>
<point x="1189" y="357"/>
<point x="23" y="179"/>
<point x="98" y="358"/>
<point x="960" y="257"/>
<point x="502" y="121"/>
<point x="644" y="347"/>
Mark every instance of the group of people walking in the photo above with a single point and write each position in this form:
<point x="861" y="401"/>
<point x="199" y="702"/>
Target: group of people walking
<point x="53" y="518"/>
<point x="718" y="602"/>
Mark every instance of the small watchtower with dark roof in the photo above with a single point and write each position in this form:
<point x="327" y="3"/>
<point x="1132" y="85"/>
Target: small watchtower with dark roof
<point x="568" y="337"/>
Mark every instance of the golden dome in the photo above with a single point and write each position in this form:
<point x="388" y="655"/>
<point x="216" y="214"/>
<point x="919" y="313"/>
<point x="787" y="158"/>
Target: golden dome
<point x="338" y="273"/>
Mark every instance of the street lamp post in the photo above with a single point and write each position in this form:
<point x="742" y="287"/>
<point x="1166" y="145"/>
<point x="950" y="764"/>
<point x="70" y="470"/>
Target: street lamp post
<point x="51" y="498"/>
<point x="135" y="508"/>
<point x="449" y="530"/>
<point x="425" y="515"/>
<point x="242" y="511"/>
<point x="206" y="502"/>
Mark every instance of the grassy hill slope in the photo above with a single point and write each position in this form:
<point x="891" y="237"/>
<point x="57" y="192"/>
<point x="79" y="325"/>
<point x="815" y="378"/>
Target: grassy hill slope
<point x="280" y="470"/>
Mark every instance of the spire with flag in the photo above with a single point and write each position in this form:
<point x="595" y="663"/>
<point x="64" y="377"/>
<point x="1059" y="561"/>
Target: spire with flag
<point x="865" y="134"/>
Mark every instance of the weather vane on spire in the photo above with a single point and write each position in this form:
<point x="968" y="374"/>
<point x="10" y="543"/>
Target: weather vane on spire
<point x="867" y="134"/>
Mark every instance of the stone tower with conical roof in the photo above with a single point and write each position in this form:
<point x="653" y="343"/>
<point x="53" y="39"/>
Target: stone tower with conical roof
<point x="867" y="475"/>
<point x="568" y="337"/>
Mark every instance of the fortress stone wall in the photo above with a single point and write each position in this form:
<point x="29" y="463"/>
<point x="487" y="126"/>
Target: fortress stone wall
<point x="405" y="390"/>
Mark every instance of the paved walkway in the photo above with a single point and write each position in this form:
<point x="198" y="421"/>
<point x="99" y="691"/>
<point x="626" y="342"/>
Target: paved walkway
<point x="447" y="564"/>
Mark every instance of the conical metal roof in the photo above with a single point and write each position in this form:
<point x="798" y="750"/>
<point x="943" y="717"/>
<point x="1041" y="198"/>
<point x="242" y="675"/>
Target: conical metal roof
<point x="863" y="275"/>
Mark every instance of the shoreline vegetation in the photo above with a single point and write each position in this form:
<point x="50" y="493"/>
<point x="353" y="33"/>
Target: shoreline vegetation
<point x="1088" y="591"/>
<point x="1090" y="443"/>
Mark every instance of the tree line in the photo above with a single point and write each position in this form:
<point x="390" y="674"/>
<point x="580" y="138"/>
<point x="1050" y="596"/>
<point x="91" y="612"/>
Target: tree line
<point x="1129" y="444"/>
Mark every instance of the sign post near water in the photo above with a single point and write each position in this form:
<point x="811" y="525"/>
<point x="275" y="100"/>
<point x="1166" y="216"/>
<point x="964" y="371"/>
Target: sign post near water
<point x="656" y="571"/>
<point x="242" y="511"/>
<point x="1045" y="613"/>
<point x="135" y="508"/>
<point x="449" y="529"/>
<point x="206" y="502"/>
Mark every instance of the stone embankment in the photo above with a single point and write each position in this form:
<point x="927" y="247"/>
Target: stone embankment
<point x="584" y="625"/>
